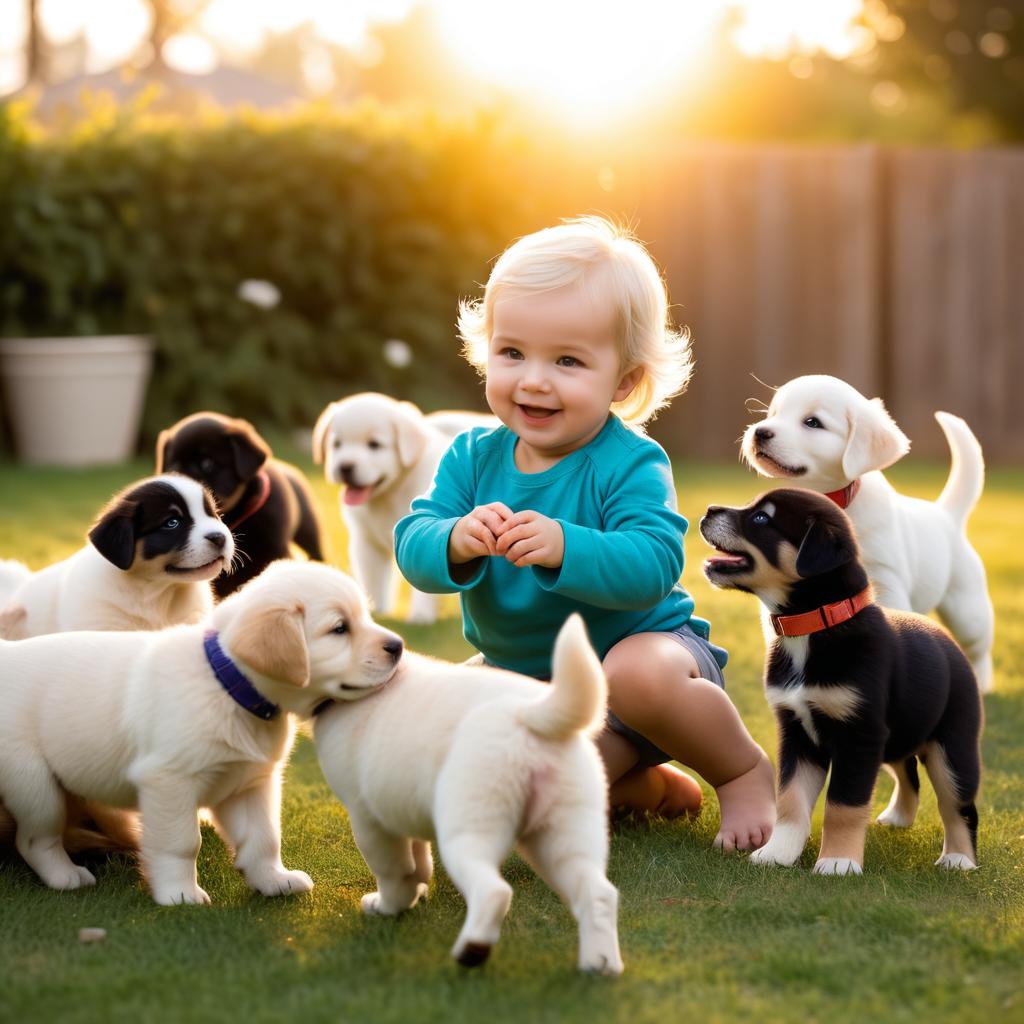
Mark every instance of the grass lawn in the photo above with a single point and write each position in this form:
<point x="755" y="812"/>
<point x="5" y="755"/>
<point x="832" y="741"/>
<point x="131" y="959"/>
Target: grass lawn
<point x="703" y="937"/>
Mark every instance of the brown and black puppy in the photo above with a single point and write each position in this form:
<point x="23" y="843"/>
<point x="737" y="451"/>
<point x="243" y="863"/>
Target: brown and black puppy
<point x="853" y="686"/>
<point x="266" y="503"/>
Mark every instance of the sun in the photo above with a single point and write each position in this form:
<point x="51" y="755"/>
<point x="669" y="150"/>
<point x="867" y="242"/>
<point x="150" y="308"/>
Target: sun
<point x="599" y="61"/>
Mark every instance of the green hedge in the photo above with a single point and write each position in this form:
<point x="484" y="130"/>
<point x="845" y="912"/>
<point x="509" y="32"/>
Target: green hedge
<point x="370" y="224"/>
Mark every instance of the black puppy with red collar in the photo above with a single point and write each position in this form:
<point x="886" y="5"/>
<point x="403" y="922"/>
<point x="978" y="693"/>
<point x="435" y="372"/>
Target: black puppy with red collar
<point x="265" y="502"/>
<point x="854" y="687"/>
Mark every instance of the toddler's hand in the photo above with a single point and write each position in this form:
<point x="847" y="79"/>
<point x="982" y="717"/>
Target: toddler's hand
<point x="528" y="538"/>
<point x="476" y="535"/>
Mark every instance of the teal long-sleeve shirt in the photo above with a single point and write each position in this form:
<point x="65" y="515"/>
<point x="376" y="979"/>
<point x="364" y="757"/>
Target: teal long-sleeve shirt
<point x="616" y="503"/>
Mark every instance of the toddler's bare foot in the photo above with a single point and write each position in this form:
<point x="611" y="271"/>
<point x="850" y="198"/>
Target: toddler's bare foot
<point x="748" y="808"/>
<point x="662" y="790"/>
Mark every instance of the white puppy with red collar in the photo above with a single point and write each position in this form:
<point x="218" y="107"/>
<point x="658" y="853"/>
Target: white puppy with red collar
<point x="823" y="434"/>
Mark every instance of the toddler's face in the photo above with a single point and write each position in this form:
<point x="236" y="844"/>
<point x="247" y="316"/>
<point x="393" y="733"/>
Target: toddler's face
<point x="553" y="370"/>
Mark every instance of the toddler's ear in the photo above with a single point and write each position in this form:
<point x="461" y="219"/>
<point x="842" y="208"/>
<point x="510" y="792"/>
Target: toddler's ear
<point x="626" y="385"/>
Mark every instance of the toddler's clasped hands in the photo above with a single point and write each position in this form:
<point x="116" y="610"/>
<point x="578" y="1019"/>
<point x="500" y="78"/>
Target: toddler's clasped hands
<point x="522" y="538"/>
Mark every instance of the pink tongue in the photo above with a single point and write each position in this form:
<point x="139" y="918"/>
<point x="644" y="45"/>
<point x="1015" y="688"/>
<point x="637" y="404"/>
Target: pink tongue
<point x="357" y="495"/>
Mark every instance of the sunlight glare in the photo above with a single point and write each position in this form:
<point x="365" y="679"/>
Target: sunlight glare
<point x="778" y="28"/>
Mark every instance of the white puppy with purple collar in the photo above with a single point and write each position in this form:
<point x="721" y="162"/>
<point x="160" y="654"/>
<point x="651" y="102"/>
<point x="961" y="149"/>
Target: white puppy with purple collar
<point x="823" y="434"/>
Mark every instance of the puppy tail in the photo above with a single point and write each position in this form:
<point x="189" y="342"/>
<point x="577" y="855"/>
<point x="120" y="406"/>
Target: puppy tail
<point x="967" y="472"/>
<point x="576" y="700"/>
<point x="12" y="575"/>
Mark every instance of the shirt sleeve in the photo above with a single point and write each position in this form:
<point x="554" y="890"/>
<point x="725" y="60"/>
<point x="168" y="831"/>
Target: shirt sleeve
<point x="636" y="558"/>
<point x="421" y="538"/>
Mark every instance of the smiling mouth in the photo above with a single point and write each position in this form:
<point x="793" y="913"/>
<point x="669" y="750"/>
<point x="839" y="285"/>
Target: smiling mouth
<point x="185" y="570"/>
<point x="536" y="412"/>
<point x="783" y="469"/>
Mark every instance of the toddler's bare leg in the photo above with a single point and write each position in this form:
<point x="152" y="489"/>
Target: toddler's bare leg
<point x="655" y="687"/>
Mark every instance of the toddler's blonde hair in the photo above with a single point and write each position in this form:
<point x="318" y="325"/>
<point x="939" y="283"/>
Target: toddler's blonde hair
<point x="607" y="260"/>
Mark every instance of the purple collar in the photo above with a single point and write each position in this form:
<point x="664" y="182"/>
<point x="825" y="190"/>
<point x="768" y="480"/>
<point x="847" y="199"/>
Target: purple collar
<point x="229" y="675"/>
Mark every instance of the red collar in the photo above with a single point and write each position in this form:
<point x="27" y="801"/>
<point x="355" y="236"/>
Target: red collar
<point x="825" y="617"/>
<point x="844" y="495"/>
<point x="256" y="502"/>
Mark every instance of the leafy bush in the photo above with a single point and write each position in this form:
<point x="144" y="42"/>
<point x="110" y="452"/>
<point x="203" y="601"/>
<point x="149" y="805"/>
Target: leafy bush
<point x="370" y="225"/>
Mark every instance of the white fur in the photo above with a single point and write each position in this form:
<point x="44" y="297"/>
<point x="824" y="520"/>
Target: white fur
<point x="392" y="447"/>
<point x="837" y="866"/>
<point x="480" y="760"/>
<point x="916" y="552"/>
<point x="85" y="591"/>
<point x="138" y="719"/>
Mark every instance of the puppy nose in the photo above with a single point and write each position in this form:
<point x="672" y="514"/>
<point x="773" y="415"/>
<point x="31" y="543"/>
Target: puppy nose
<point x="763" y="434"/>
<point x="346" y="471"/>
<point x="218" y="540"/>
<point x="394" y="647"/>
<point x="713" y="510"/>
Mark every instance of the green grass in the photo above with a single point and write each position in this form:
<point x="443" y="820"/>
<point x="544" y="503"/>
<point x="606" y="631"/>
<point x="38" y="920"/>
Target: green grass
<point x="703" y="937"/>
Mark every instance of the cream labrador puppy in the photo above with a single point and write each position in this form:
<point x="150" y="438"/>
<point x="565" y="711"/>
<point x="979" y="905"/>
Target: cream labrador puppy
<point x="824" y="435"/>
<point x="183" y="718"/>
<point x="151" y="555"/>
<point x="384" y="453"/>
<point x="480" y="760"/>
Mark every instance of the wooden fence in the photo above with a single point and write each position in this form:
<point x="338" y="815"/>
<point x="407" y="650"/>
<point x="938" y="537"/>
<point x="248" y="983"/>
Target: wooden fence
<point x="899" y="270"/>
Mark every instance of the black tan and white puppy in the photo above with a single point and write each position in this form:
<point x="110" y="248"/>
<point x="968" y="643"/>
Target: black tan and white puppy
<point x="826" y="436"/>
<point x="853" y="686"/>
<point x="266" y="503"/>
<point x="150" y="558"/>
<point x="384" y="453"/>
<point x="187" y="717"/>
<point x="480" y="760"/>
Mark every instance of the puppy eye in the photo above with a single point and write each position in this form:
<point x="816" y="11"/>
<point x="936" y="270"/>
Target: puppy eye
<point x="761" y="518"/>
<point x="373" y="445"/>
<point x="170" y="524"/>
<point x="814" y="423"/>
<point x="336" y="443"/>
<point x="207" y="465"/>
<point x="340" y="629"/>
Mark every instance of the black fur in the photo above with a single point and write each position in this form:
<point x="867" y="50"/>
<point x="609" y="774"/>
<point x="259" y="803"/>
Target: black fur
<point x="155" y="513"/>
<point x="915" y="685"/>
<point x="228" y="455"/>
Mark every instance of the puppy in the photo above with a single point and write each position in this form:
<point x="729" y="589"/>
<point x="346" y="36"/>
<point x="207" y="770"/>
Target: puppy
<point x="265" y="502"/>
<point x="384" y="453"/>
<point x="188" y="717"/>
<point x="825" y="434"/>
<point x="480" y="759"/>
<point x="853" y="686"/>
<point x="149" y="562"/>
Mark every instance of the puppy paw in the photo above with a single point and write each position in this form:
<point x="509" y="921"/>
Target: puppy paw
<point x="471" y="954"/>
<point x="783" y="848"/>
<point x="894" y="819"/>
<point x="282" y="883"/>
<point x="609" y="965"/>
<point x="73" y="876"/>
<point x="372" y="903"/>
<point x="837" y="866"/>
<point x="171" y="897"/>
<point x="956" y="862"/>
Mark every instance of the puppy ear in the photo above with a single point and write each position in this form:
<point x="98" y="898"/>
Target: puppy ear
<point x="825" y="547"/>
<point x="874" y="441"/>
<point x="411" y="434"/>
<point x="320" y="433"/>
<point x="250" y="451"/>
<point x="271" y="641"/>
<point x="163" y="447"/>
<point x="113" y="536"/>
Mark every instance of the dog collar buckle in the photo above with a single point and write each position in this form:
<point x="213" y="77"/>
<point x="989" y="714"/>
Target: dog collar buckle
<point x="235" y="684"/>
<point x="825" y="617"/>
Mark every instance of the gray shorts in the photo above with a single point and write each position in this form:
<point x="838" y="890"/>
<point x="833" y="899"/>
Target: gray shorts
<point x="710" y="667"/>
<point x="709" y="657"/>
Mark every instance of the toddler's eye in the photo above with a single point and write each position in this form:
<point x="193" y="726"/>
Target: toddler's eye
<point x="511" y="353"/>
<point x="568" y="361"/>
<point x="761" y="518"/>
<point x="814" y="423"/>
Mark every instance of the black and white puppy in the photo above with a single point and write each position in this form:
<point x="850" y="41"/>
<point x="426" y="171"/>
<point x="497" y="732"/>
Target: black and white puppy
<point x="266" y="503"/>
<point x="151" y="556"/>
<point x="853" y="686"/>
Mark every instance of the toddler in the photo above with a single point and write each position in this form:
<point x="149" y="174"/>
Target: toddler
<point x="570" y="507"/>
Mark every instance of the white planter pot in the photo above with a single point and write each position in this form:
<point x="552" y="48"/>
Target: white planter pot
<point x="75" y="401"/>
